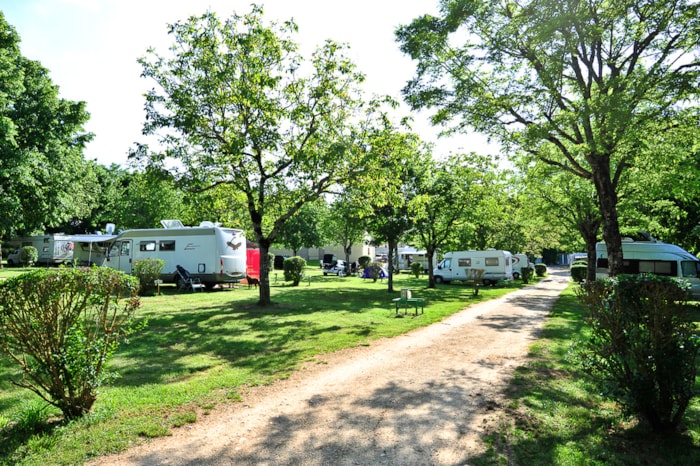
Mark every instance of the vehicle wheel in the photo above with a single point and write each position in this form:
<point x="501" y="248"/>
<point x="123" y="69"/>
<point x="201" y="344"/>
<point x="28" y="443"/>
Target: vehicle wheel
<point x="516" y="276"/>
<point x="10" y="263"/>
<point x="487" y="282"/>
<point x="209" y="286"/>
<point x="439" y="280"/>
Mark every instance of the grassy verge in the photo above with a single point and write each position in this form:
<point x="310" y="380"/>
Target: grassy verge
<point x="200" y="350"/>
<point x="554" y="416"/>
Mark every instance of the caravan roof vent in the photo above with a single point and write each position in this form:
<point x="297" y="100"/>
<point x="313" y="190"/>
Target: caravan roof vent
<point x="172" y="223"/>
<point x="206" y="224"/>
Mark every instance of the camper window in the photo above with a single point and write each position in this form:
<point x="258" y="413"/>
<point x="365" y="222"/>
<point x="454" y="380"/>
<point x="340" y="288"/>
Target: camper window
<point x="464" y="262"/>
<point x="491" y="261"/>
<point x="125" y="248"/>
<point x="147" y="246"/>
<point x="167" y="245"/>
<point x="690" y="268"/>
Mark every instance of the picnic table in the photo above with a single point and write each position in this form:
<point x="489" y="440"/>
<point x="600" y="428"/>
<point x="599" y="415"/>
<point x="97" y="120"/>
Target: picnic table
<point x="406" y="300"/>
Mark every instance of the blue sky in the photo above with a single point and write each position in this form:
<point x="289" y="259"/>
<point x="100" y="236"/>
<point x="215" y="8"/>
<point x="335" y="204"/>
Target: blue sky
<point x="91" y="46"/>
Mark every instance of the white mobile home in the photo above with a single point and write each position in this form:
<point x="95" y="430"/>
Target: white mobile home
<point x="654" y="257"/>
<point x="496" y="265"/>
<point x="53" y="249"/>
<point x="520" y="262"/>
<point x="408" y="256"/>
<point x="212" y="253"/>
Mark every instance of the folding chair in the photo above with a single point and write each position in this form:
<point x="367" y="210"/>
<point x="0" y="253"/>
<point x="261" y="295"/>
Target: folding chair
<point x="186" y="280"/>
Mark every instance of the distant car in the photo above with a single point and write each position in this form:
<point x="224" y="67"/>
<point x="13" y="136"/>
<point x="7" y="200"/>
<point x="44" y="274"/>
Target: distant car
<point x="338" y="267"/>
<point x="14" y="258"/>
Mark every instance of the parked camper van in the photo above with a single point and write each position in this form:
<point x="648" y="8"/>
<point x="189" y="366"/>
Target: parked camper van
<point x="209" y="252"/>
<point x="53" y="249"/>
<point x="654" y="257"/>
<point x="520" y="262"/>
<point x="408" y="256"/>
<point x="496" y="264"/>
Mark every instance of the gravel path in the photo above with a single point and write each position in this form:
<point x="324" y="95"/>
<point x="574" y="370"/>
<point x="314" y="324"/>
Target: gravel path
<point x="423" y="398"/>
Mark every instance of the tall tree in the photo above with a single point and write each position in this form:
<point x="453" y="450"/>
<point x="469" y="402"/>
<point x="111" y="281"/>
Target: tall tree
<point x="343" y="224"/>
<point x="588" y="77"/>
<point x="304" y="229"/>
<point x="43" y="174"/>
<point x="238" y="111"/>
<point x="447" y="199"/>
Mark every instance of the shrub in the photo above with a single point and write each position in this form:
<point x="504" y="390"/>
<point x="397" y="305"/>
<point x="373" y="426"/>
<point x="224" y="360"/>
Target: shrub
<point x="61" y="326"/>
<point x="148" y="271"/>
<point x="578" y="272"/>
<point x="416" y="269"/>
<point x="375" y="270"/>
<point x="363" y="261"/>
<point x="643" y="348"/>
<point x="526" y="273"/>
<point x="540" y="270"/>
<point x="28" y="256"/>
<point x="294" y="269"/>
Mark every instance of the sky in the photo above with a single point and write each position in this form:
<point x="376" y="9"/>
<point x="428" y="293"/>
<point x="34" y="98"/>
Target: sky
<point x="91" y="47"/>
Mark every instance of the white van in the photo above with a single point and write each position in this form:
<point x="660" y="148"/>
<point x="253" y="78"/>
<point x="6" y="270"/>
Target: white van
<point x="496" y="264"/>
<point x="653" y="257"/>
<point x="520" y="262"/>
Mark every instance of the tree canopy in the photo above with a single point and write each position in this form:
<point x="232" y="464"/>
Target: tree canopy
<point x="589" y="78"/>
<point x="238" y="105"/>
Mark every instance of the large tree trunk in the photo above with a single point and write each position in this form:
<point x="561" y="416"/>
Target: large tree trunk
<point x="431" y="278"/>
<point x="608" y="212"/>
<point x="588" y="227"/>
<point x="264" y="273"/>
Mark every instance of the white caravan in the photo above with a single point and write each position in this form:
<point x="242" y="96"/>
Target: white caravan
<point x="496" y="264"/>
<point x="209" y="252"/>
<point x="520" y="262"/>
<point x="53" y="249"/>
<point x="408" y="256"/>
<point x="654" y="257"/>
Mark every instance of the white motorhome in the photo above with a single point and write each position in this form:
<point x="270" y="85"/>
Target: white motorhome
<point x="521" y="261"/>
<point x="408" y="256"/>
<point x="53" y="249"/>
<point x="496" y="264"/>
<point x="212" y="253"/>
<point x="653" y="257"/>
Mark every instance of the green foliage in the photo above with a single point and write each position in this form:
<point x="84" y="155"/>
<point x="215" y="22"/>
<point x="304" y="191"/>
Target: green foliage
<point x="526" y="273"/>
<point x="578" y="272"/>
<point x="61" y="326"/>
<point x="28" y="256"/>
<point x="416" y="269"/>
<point x="148" y="271"/>
<point x="375" y="270"/>
<point x="294" y="269"/>
<point x="270" y="261"/>
<point x="540" y="270"/>
<point x="363" y="261"/>
<point x="643" y="348"/>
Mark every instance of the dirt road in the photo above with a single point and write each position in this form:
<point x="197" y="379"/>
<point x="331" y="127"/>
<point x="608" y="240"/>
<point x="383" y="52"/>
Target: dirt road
<point x="417" y="399"/>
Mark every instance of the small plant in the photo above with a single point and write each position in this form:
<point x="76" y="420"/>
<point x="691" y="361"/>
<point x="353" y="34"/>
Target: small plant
<point x="540" y="270"/>
<point x="526" y="273"/>
<point x="375" y="270"/>
<point x="416" y="269"/>
<point x="363" y="261"/>
<point x="578" y="271"/>
<point x="294" y="269"/>
<point x="61" y="326"/>
<point x="28" y="256"/>
<point x="643" y="349"/>
<point x="148" y="271"/>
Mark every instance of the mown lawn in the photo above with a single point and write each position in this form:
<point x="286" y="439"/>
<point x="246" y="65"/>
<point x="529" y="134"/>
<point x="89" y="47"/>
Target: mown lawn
<point x="555" y="416"/>
<point x="199" y="350"/>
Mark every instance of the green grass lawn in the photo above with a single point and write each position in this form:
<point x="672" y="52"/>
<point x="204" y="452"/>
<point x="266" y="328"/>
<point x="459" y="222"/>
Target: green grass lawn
<point x="554" y="415"/>
<point x="200" y="350"/>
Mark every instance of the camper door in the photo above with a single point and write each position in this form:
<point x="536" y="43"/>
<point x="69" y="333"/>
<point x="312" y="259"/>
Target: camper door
<point x="121" y="256"/>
